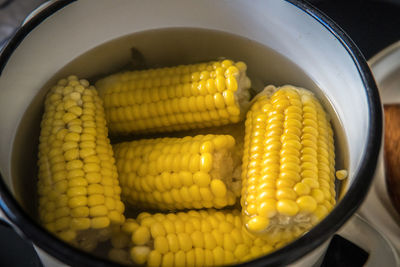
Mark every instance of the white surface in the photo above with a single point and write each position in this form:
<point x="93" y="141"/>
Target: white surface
<point x="377" y="208"/>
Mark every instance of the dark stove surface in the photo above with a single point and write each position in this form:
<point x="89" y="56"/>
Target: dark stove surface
<point x="15" y="251"/>
<point x="372" y="24"/>
<point x="343" y="253"/>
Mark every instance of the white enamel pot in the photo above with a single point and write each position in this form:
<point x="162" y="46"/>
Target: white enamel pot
<point x="283" y="42"/>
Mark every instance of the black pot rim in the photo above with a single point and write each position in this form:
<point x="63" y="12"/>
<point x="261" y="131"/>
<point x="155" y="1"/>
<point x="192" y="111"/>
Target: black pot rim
<point x="29" y="228"/>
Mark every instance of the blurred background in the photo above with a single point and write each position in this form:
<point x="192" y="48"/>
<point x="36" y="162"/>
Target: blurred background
<point x="371" y="24"/>
<point x="12" y="13"/>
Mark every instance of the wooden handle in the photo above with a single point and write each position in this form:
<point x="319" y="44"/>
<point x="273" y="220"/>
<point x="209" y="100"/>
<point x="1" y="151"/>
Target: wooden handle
<point x="392" y="152"/>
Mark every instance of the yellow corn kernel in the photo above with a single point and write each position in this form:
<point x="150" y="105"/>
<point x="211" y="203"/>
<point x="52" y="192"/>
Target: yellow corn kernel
<point x="199" y="256"/>
<point x="185" y="241"/>
<point x="206" y="162"/>
<point x="173" y="243"/>
<point x="98" y="211"/>
<point x="190" y="258"/>
<point x="209" y="241"/>
<point x="306" y="203"/>
<point x="341" y="174"/>
<point x="100" y="222"/>
<point x="77" y="191"/>
<point x="169" y="226"/>
<point x="218" y="253"/>
<point x="82" y="211"/>
<point x="197" y="239"/>
<point x="154" y="258"/>
<point x="80" y="223"/>
<point x="202" y="179"/>
<point x="218" y="188"/>
<point x="168" y="259"/>
<point x="208" y="258"/>
<point x="139" y="254"/>
<point x="258" y="223"/>
<point x="161" y="244"/>
<point x="229" y="243"/>
<point x="129" y="226"/>
<point x="62" y="223"/>
<point x="157" y="229"/>
<point x="141" y="235"/>
<point x="180" y="258"/>
<point x="241" y="251"/>
<point x="77" y="201"/>
<point x="287" y="207"/>
<point x="67" y="236"/>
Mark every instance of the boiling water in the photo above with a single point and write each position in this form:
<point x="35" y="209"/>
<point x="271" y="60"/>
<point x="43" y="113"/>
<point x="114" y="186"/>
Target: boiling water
<point x="161" y="48"/>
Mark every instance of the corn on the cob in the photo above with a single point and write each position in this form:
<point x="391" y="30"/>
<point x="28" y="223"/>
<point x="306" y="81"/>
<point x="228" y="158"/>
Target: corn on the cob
<point x="288" y="169"/>
<point x="78" y="188"/>
<point x="178" y="173"/>
<point x="193" y="238"/>
<point x="178" y="98"/>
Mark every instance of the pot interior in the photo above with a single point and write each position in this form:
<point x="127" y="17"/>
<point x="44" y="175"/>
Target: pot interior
<point x="159" y="48"/>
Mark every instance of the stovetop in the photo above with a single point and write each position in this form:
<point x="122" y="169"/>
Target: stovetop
<point x="371" y="24"/>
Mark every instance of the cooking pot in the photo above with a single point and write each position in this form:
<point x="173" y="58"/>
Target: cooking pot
<point x="283" y="42"/>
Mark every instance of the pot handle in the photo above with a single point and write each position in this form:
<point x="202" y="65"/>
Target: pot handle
<point x="380" y="249"/>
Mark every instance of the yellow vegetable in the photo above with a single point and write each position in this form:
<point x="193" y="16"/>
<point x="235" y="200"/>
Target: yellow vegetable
<point x="288" y="174"/>
<point x="179" y="173"/>
<point x="79" y="193"/>
<point x="199" y="238"/>
<point x="177" y="98"/>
